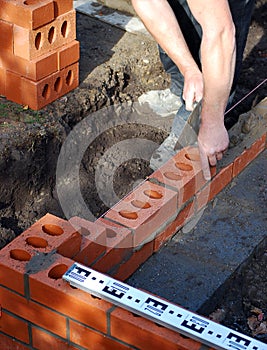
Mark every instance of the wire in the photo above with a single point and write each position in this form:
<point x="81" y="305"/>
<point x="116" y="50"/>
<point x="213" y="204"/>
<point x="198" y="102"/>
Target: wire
<point x="243" y="98"/>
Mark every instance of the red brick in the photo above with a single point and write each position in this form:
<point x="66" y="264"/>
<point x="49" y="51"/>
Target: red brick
<point x="216" y="185"/>
<point x="36" y="69"/>
<point x="14" y="326"/>
<point x="8" y="343"/>
<point x="13" y="87"/>
<point x="119" y="243"/>
<point x="42" y="340"/>
<point x="89" y="339"/>
<point x="181" y="219"/>
<point x="59" y="234"/>
<point x="30" y="44"/>
<point x="69" y="54"/>
<point x="93" y="240"/>
<point x="39" y="94"/>
<point x="186" y="182"/>
<point x="148" y="219"/>
<point x="2" y="81"/>
<point x="12" y="269"/>
<point x="6" y="36"/>
<point x="248" y="155"/>
<point x="15" y="257"/>
<point x="33" y="312"/>
<point x="56" y="294"/>
<point x="62" y="7"/>
<point x="28" y="14"/>
<point x="128" y="267"/>
<point x="145" y="334"/>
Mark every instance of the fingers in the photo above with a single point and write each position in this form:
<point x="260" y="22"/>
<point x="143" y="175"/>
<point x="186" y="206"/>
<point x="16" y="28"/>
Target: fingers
<point x="212" y="159"/>
<point x="207" y="161"/>
<point x="191" y="101"/>
<point x="219" y="155"/>
<point x="204" y="163"/>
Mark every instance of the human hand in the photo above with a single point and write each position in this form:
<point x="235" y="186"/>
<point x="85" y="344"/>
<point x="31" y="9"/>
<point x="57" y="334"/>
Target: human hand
<point x="213" y="141"/>
<point x="193" y="88"/>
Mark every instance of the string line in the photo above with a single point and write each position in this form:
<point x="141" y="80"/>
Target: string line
<point x="243" y="98"/>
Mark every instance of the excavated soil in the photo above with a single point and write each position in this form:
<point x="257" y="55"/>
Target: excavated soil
<point x="115" y="68"/>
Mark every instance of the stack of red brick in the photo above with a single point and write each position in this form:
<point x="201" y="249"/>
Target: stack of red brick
<point x="38" y="51"/>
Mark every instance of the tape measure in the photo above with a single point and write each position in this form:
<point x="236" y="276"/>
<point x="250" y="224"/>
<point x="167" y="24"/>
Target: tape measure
<point x="159" y="310"/>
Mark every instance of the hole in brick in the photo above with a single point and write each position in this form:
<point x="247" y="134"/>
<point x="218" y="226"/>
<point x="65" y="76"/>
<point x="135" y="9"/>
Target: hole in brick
<point x="31" y="2"/>
<point x="69" y="78"/>
<point x="20" y="255"/>
<point x="172" y="176"/>
<point x="192" y="156"/>
<point x="37" y="242"/>
<point x="111" y="233"/>
<point x="46" y="91"/>
<point x="183" y="166"/>
<point x="64" y="29"/>
<point x="84" y="231"/>
<point x="58" y="84"/>
<point x="58" y="271"/>
<point x="52" y="230"/>
<point x="38" y="40"/>
<point x="132" y="215"/>
<point x="140" y="204"/>
<point x="51" y="35"/>
<point x="153" y="194"/>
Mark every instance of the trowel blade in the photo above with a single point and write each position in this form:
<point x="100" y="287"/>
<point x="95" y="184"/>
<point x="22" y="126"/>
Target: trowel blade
<point x="187" y="128"/>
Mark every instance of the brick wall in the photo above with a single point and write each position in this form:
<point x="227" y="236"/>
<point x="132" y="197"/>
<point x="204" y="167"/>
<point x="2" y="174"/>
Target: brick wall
<point x="40" y="311"/>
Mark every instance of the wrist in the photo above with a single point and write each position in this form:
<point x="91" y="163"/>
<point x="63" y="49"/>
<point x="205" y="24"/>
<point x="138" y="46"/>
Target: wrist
<point x="212" y="113"/>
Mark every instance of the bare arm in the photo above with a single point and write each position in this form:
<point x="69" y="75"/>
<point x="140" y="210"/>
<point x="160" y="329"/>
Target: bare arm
<point x="217" y="59"/>
<point x="218" y="63"/>
<point x="161" y="22"/>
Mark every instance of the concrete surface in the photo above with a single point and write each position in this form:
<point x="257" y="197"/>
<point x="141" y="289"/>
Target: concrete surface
<point x="189" y="269"/>
<point x="127" y="22"/>
<point x="121" y="5"/>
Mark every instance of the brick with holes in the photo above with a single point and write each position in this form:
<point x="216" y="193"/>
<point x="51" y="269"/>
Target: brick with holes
<point x="50" y="88"/>
<point x="30" y="44"/>
<point x="182" y="173"/>
<point x="48" y="235"/>
<point x="145" y="210"/>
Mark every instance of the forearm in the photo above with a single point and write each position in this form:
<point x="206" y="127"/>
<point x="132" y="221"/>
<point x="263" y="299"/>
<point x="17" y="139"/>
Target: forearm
<point x="217" y="55"/>
<point x="218" y="64"/>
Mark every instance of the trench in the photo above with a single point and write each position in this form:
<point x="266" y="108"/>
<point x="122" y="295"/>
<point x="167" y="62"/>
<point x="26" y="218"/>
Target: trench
<point x="31" y="143"/>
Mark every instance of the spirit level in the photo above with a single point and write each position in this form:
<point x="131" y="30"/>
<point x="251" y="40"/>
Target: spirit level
<point x="159" y="310"/>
